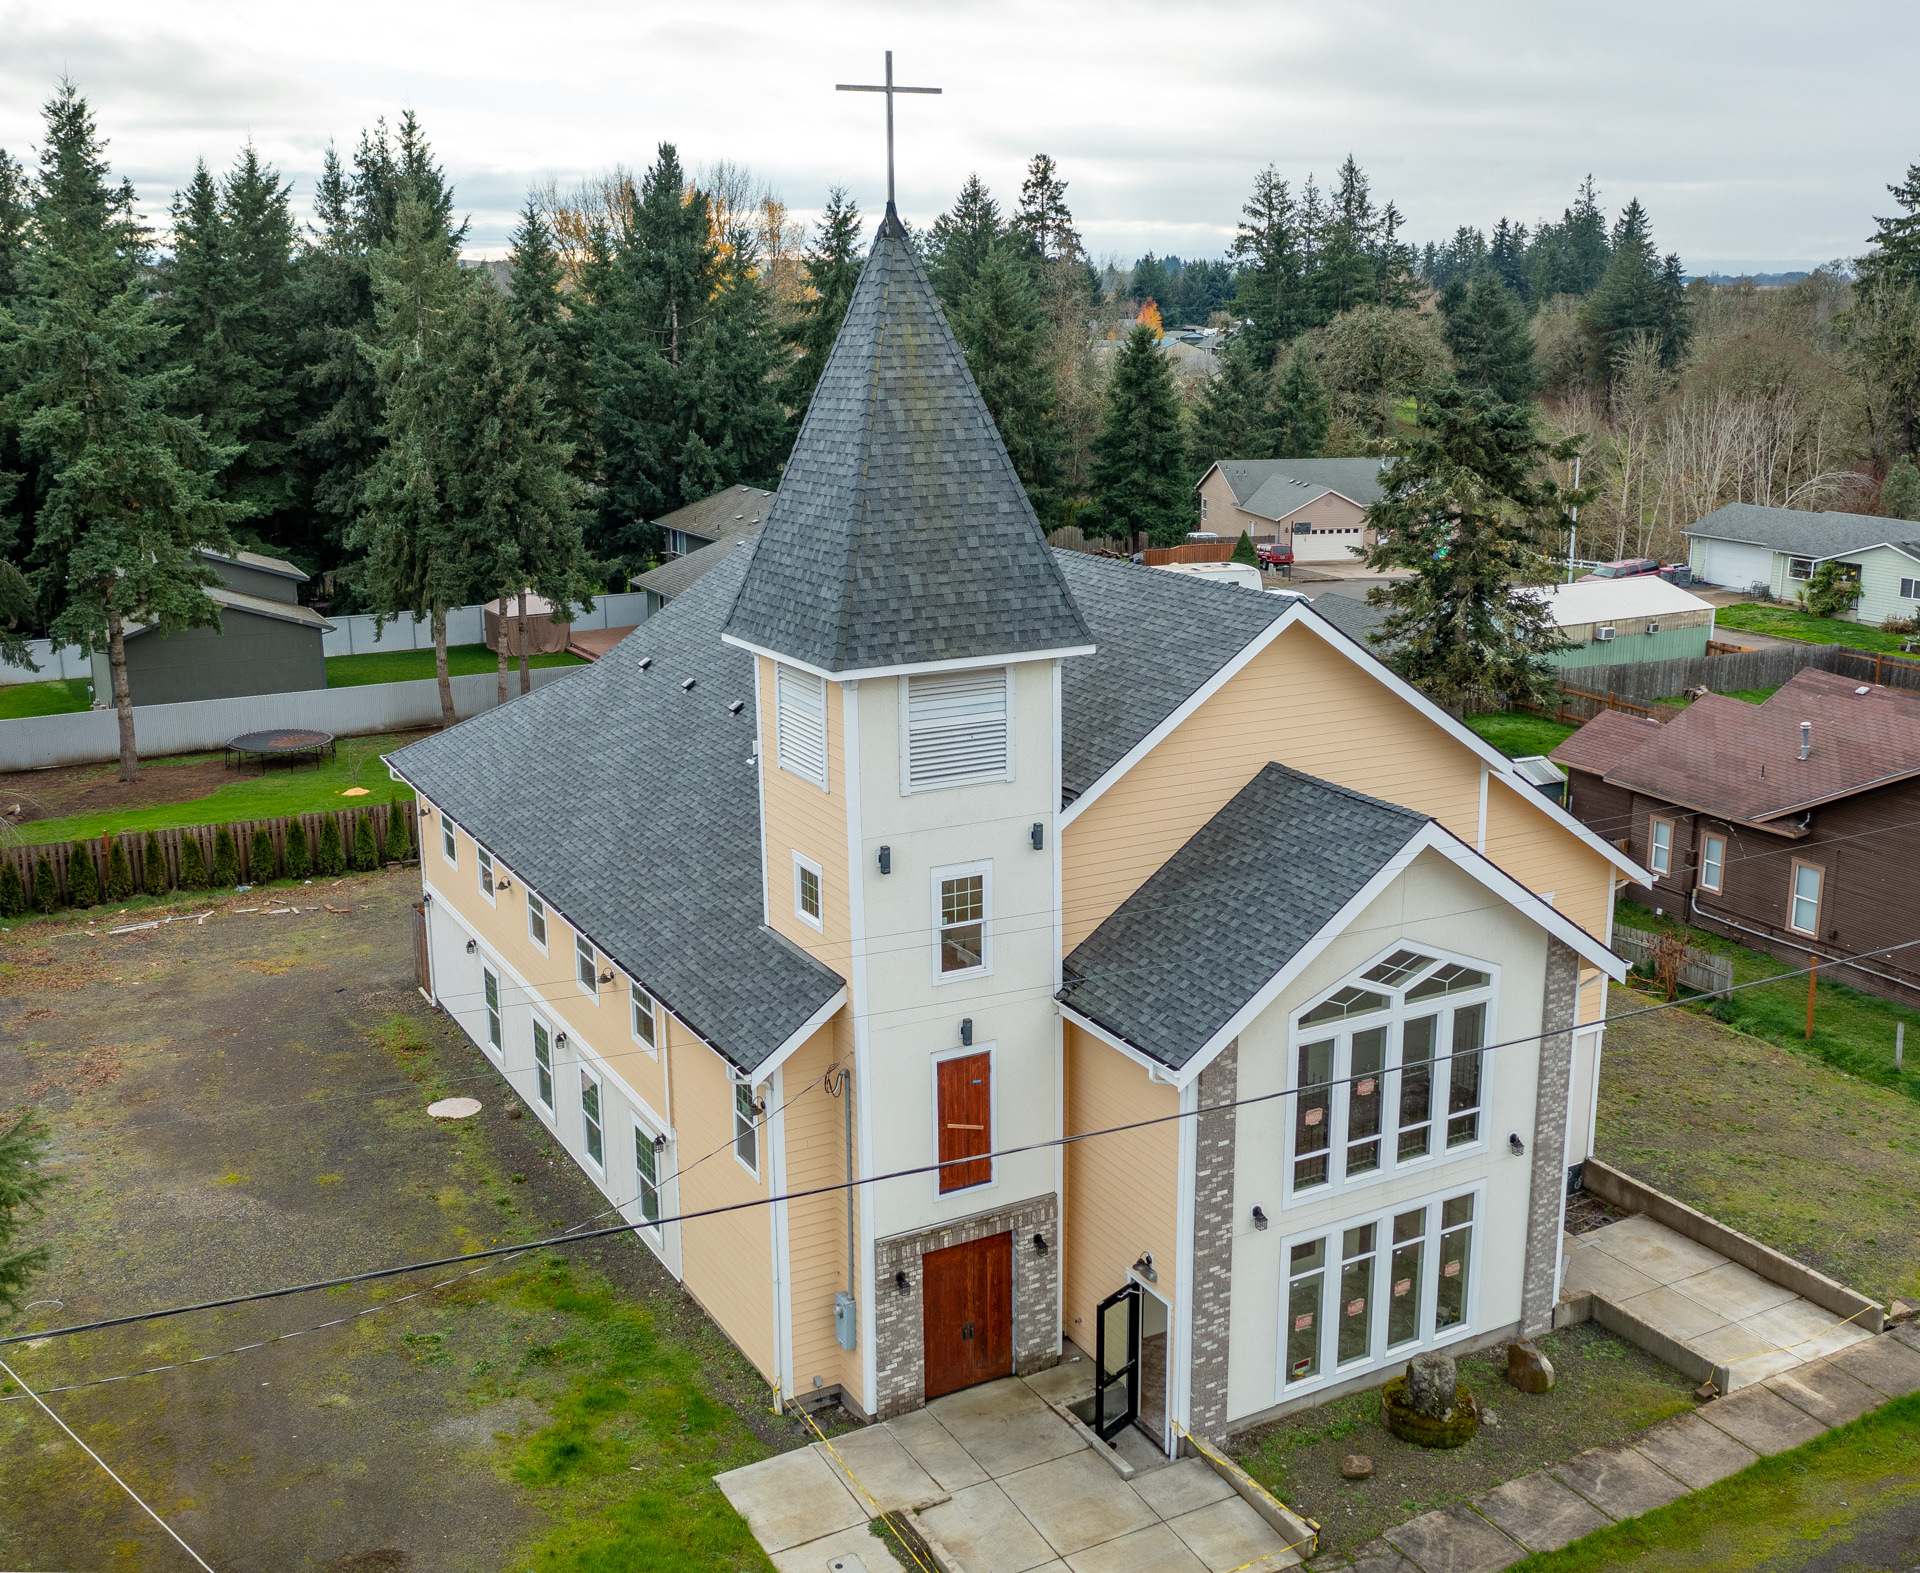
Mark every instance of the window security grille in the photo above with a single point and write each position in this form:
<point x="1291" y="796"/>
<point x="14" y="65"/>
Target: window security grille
<point x="800" y="724"/>
<point x="957" y="731"/>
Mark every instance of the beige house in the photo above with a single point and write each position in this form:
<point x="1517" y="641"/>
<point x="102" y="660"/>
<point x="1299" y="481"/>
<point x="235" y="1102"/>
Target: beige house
<point x="1319" y="505"/>
<point x="938" y="947"/>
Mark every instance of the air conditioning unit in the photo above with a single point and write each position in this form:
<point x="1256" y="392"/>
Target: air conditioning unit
<point x="1603" y="635"/>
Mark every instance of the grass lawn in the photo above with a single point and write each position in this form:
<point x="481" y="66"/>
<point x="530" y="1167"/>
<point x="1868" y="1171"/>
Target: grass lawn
<point x="55" y="698"/>
<point x="403" y="666"/>
<point x="1760" y="617"/>
<point x="242" y="794"/>
<point x="1752" y="696"/>
<point x="1847" y="1500"/>
<point x="1518" y="734"/>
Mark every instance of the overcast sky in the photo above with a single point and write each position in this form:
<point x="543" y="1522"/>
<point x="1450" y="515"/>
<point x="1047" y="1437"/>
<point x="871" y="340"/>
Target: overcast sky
<point x="1759" y="135"/>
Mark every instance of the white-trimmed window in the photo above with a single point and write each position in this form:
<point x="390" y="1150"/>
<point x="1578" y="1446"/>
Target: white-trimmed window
<point x="1375" y="1288"/>
<point x="962" y="921"/>
<point x="1369" y="1061"/>
<point x="956" y="729"/>
<point x="449" y="842"/>
<point x="1660" y="845"/>
<point x="490" y="989"/>
<point x="806" y="890"/>
<point x="483" y="862"/>
<point x="800" y="724"/>
<point x="586" y="966"/>
<point x="537" y="921"/>
<point x="543" y="1063"/>
<point x="1800" y="567"/>
<point x="646" y="1025"/>
<point x="1803" y="912"/>
<point x="1713" y="862"/>
<point x="746" y="1127"/>
<point x="592" y="1138"/>
<point x="1910" y="589"/>
<point x="646" y="1173"/>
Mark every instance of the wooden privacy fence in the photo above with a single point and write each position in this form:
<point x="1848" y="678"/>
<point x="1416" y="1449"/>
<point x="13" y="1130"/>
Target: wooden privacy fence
<point x="172" y="842"/>
<point x="1701" y="969"/>
<point x="1641" y="682"/>
<point x="1072" y="538"/>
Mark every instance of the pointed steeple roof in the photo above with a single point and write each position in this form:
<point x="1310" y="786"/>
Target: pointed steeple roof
<point x="901" y="534"/>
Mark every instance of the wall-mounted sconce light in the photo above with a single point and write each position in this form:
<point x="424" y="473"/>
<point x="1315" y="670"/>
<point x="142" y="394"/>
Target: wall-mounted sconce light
<point x="1260" y="1219"/>
<point x="660" y="1143"/>
<point x="424" y="811"/>
<point x="607" y="976"/>
<point x="560" y="1042"/>
<point x="1516" y="1145"/>
<point x="1144" y="1267"/>
<point x="472" y="946"/>
<point x="1039" y="1245"/>
<point x="900" y="1282"/>
<point x="1038" y="836"/>
<point x="966" y="1032"/>
<point x="502" y="883"/>
<point x="886" y="860"/>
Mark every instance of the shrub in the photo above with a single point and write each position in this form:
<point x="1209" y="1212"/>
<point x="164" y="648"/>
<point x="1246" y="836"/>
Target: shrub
<point x="1243" y="551"/>
<point x="366" y="851"/>
<point x="46" y="889"/>
<point x="119" y="872"/>
<point x="83" y="879"/>
<point x="153" y="873"/>
<point x="260" y="859"/>
<point x="13" y="894"/>
<point x="299" y="862"/>
<point x="333" y="858"/>
<point x="193" y="863"/>
<point x="1896" y="624"/>
<point x="399" y="843"/>
<point x="226" y="859"/>
<point x="1829" y="592"/>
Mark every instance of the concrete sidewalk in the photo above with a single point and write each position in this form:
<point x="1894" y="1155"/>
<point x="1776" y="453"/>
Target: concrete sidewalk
<point x="999" y="1483"/>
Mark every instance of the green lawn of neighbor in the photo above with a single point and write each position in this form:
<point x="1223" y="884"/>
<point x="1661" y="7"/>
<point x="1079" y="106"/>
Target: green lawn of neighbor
<point x="402" y="666"/>
<point x="1517" y="734"/>
<point x="1760" y="617"/>
<point x="1752" y="696"/>
<point x="1849" y="1499"/>
<point x="55" y="698"/>
<point x="250" y="794"/>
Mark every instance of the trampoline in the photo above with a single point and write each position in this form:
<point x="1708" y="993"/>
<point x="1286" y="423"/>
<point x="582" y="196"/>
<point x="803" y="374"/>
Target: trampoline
<point x="292" y="744"/>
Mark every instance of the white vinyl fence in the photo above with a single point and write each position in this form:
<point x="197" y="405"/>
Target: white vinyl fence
<point x="86" y="736"/>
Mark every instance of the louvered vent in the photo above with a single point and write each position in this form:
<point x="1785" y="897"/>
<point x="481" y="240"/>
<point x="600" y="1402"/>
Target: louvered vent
<point x="957" y="730"/>
<point x="800" y="720"/>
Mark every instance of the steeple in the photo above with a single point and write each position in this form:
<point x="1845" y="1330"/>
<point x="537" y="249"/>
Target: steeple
<point x="901" y="534"/>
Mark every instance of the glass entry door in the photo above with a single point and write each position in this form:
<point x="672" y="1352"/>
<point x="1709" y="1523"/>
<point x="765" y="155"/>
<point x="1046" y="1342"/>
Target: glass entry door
<point x="1116" y="1380"/>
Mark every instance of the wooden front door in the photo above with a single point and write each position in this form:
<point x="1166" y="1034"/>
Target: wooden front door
<point x="967" y="1292"/>
<point x="966" y="1121"/>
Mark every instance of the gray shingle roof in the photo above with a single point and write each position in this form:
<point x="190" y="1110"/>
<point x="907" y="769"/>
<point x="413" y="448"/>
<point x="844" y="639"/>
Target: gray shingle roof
<point x="1358" y="479"/>
<point x="1255" y="884"/>
<point x="674" y="578"/>
<point x="1803" y="534"/>
<point x="733" y="510"/>
<point x="900" y="533"/>
<point x="629" y="804"/>
<point x="1352" y="616"/>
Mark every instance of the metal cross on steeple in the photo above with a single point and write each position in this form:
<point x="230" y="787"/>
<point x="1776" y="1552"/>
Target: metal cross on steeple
<point x="889" y="89"/>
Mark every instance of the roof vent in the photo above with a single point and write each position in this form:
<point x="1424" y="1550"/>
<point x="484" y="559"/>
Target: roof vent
<point x="687" y="686"/>
<point x="645" y="662"/>
<point x="1806" y="738"/>
<point x="1864" y="688"/>
<point x="736" y="707"/>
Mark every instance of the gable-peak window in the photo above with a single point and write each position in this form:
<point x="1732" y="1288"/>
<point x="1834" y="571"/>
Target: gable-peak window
<point x="1371" y="1066"/>
<point x="956" y="729"/>
<point x="800" y="724"/>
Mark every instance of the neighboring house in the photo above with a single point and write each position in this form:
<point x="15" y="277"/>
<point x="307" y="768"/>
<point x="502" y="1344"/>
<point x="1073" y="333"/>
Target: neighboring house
<point x="267" y="643"/>
<point x="733" y="511"/>
<point x="900" y="847"/>
<point x="1320" y="503"/>
<point x="662" y="584"/>
<point x="1613" y="621"/>
<point x="1792" y="826"/>
<point x="1744" y="545"/>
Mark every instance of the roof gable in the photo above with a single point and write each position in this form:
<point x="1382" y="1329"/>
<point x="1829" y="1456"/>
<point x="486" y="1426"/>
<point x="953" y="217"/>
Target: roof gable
<point x="1358" y="480"/>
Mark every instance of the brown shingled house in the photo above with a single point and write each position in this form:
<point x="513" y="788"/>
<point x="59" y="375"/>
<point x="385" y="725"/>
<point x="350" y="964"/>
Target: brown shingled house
<point x="1792" y="826"/>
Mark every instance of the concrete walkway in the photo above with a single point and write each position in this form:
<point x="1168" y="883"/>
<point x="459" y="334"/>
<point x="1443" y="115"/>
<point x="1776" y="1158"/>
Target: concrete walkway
<point x="1553" y="1507"/>
<point x="1723" y="1312"/>
<point x="997" y="1482"/>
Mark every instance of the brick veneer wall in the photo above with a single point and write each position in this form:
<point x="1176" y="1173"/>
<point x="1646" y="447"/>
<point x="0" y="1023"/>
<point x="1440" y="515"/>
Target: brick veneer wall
<point x="1540" y="1279"/>
<point x="1213" y="1244"/>
<point x="900" y="1378"/>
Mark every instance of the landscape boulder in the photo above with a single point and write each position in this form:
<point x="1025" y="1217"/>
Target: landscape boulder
<point x="1430" y="1406"/>
<point x="1356" y="1466"/>
<point x="1527" y="1368"/>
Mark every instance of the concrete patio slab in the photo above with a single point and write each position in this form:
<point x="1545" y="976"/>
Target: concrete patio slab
<point x="1802" y="1328"/>
<point x="1006" y="1426"/>
<point x="1620" y="1482"/>
<point x="1539" y="1512"/>
<point x="1724" y="1345"/>
<point x="884" y="1468"/>
<point x="986" y="1531"/>
<point x="1694" y="1452"/>
<point x="1827" y="1393"/>
<point x="1887" y="1364"/>
<point x="1185" y="1487"/>
<point x="1763" y="1420"/>
<point x="1751" y="1370"/>
<point x="1077" y="1501"/>
<point x="1591" y="1270"/>
<point x="1065" y="1383"/>
<point x="934" y="1450"/>
<point x="1734" y="1291"/>
<point x="1674" y="1314"/>
<point x="1154" y="1550"/>
<point x="1454" y="1540"/>
<point x="792" y="1499"/>
<point x="818" y="1556"/>
<point x="1654" y="1250"/>
<point x="1230" y="1534"/>
<point x="1376" y="1556"/>
<point x="1908" y="1333"/>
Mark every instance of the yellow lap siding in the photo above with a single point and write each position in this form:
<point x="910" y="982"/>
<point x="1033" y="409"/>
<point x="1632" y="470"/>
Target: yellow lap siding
<point x="799" y="817"/>
<point x="1121" y="1189"/>
<point x="817" y="1226"/>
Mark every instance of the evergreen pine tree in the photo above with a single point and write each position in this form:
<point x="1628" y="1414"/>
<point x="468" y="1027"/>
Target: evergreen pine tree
<point x="1151" y="281"/>
<point x="1636" y="295"/>
<point x="399" y="842"/>
<point x="1507" y="256"/>
<point x="332" y="860"/>
<point x="1272" y="290"/>
<point x="261" y="863"/>
<point x="556" y="337"/>
<point x="226" y="859"/>
<point x="1231" y="421"/>
<point x="1344" y="275"/>
<point x="1043" y="216"/>
<point x="1000" y="327"/>
<point x="1140" y="481"/>
<point x="1900" y="491"/>
<point x="1298" y="410"/>
<point x="193" y="863"/>
<point x="1570" y="257"/>
<point x="1492" y="348"/>
<point x="153" y="867"/>
<point x="46" y="887"/>
<point x="125" y="496"/>
<point x="13" y="894"/>
<point x="959" y="242"/>
<point x="83" y="879"/>
<point x="299" y="859"/>
<point x="23" y="1181"/>
<point x="366" y="851"/>
<point x="1895" y="257"/>
<point x="119" y="872"/>
<point x="832" y="268"/>
<point x="1244" y="550"/>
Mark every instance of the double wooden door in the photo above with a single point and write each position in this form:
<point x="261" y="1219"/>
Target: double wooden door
<point x="967" y="1295"/>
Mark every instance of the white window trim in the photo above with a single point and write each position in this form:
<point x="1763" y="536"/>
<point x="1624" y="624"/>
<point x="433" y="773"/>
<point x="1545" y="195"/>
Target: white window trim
<point x="1656" y="862"/>
<point x="760" y="1124"/>
<point x="660" y="1175"/>
<point x="550" y="1112"/>
<point x="1331" y="1370"/>
<point x="934" y="1062"/>
<point x="960" y="871"/>
<point x="487" y="1013"/>
<point x="1438" y="1152"/>
<point x="907" y="788"/>
<point x="483" y="875"/>
<point x="592" y="993"/>
<point x="599" y="1080"/>
<point x="635" y="995"/>
<point x="536" y="905"/>
<point x="820" y="888"/>
<point x="1793" y="897"/>
<point x="449" y="837"/>
<point x="1719" y="884"/>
